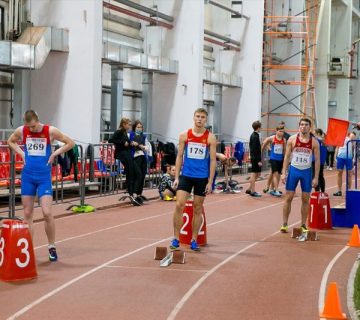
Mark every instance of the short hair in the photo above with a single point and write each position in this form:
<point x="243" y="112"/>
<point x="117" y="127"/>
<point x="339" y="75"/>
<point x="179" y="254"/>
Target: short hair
<point x="305" y="120"/>
<point x="282" y="123"/>
<point x="256" y="125"/>
<point x="280" y="128"/>
<point x="123" y="122"/>
<point x="136" y="124"/>
<point x="30" y="115"/>
<point x="201" y="110"/>
<point x="319" y="131"/>
<point x="233" y="159"/>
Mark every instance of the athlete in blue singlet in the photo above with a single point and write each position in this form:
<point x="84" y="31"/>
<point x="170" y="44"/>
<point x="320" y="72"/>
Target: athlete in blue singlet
<point x="277" y="151"/>
<point x="299" y="149"/>
<point x="36" y="175"/>
<point x="196" y="159"/>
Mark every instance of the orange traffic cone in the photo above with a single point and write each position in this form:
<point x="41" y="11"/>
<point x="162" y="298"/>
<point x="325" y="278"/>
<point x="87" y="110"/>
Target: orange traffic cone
<point x="332" y="308"/>
<point x="355" y="237"/>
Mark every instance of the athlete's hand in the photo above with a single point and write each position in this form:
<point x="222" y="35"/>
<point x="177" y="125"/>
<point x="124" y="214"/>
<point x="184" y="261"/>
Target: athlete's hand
<point x="208" y="188"/>
<point x="315" y="182"/>
<point x="175" y="184"/>
<point x="283" y="178"/>
<point x="51" y="159"/>
<point x="260" y="164"/>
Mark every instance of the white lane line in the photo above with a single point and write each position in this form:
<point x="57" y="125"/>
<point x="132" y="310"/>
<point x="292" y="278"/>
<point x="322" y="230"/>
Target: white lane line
<point x="350" y="292"/>
<point x="82" y="276"/>
<point x="325" y="277"/>
<point x="158" y="269"/>
<point x="88" y="273"/>
<point x="197" y="284"/>
<point x="106" y="229"/>
<point x="69" y="283"/>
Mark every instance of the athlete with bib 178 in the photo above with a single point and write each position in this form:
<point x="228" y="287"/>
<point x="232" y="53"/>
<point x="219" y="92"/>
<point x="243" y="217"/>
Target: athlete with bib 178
<point x="196" y="159"/>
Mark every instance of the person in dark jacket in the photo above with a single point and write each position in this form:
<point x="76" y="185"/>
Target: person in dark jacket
<point x="319" y="135"/>
<point x="255" y="158"/>
<point x="123" y="147"/>
<point x="139" y="154"/>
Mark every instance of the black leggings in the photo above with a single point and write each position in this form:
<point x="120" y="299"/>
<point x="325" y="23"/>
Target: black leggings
<point x="128" y="162"/>
<point x="140" y="169"/>
<point x="321" y="180"/>
<point x="330" y="158"/>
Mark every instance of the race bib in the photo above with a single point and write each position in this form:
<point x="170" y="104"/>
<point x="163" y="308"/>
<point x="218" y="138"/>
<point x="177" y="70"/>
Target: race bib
<point x="278" y="148"/>
<point x="196" y="150"/>
<point x="36" y="146"/>
<point x="302" y="160"/>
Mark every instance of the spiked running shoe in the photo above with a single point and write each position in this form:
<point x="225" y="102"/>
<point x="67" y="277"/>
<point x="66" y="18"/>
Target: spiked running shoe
<point x="266" y="190"/>
<point x="194" y="246"/>
<point x="175" y="244"/>
<point x="52" y="254"/>
<point x="284" y="228"/>
<point x="304" y="229"/>
<point x="275" y="193"/>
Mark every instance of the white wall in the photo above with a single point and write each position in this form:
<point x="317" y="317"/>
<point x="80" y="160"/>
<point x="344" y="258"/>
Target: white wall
<point x="175" y="97"/>
<point x="66" y="91"/>
<point x="242" y="107"/>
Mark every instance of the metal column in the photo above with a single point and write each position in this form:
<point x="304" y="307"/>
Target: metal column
<point x="21" y="95"/>
<point x="146" y="100"/>
<point x="217" y="115"/>
<point x="117" y="103"/>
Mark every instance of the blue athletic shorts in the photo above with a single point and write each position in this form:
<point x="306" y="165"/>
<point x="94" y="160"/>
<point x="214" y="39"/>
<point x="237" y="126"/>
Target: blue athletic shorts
<point x="295" y="175"/>
<point x="30" y="183"/>
<point x="342" y="163"/>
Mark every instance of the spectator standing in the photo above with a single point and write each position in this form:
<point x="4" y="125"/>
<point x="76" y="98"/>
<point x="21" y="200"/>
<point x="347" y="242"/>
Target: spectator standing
<point x="255" y="158"/>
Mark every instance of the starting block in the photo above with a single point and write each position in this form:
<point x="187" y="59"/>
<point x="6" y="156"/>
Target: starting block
<point x="300" y="236"/>
<point x="160" y="253"/>
<point x="177" y="256"/>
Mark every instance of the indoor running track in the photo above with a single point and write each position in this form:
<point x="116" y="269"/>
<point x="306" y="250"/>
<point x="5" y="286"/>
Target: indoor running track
<point x="248" y="270"/>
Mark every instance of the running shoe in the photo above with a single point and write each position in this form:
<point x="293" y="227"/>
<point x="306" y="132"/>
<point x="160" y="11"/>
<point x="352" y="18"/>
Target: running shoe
<point x="139" y="200"/>
<point x="248" y="191"/>
<point x="275" y="193"/>
<point x="143" y="198"/>
<point x="167" y="198"/>
<point x="337" y="194"/>
<point x="266" y="190"/>
<point x="175" y="244"/>
<point x="194" y="246"/>
<point x="52" y="254"/>
<point x="304" y="229"/>
<point x="284" y="228"/>
<point x="134" y="202"/>
<point x="255" y="194"/>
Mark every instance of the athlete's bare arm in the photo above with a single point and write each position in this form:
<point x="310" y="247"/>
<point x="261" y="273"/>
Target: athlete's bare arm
<point x="179" y="158"/>
<point x="212" y="151"/>
<point x="13" y="142"/>
<point x="56" y="134"/>
<point x="316" y="152"/>
<point x="266" y="142"/>
<point x="289" y="149"/>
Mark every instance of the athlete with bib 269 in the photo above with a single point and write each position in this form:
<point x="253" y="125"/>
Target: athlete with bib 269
<point x="196" y="159"/>
<point x="36" y="175"/>
<point x="299" y="150"/>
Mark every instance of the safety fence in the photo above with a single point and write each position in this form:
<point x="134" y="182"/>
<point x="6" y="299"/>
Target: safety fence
<point x="87" y="172"/>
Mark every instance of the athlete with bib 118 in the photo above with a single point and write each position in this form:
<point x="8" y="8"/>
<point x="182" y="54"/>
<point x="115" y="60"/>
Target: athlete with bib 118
<point x="299" y="150"/>
<point x="36" y="175"/>
<point x="196" y="159"/>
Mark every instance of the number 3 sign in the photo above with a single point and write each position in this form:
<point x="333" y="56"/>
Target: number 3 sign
<point x="17" y="259"/>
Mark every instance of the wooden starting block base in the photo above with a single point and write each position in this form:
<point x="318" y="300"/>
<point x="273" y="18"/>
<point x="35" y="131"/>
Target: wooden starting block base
<point x="178" y="257"/>
<point x="310" y="235"/>
<point x="160" y="253"/>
